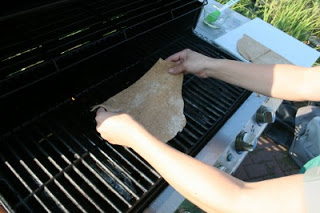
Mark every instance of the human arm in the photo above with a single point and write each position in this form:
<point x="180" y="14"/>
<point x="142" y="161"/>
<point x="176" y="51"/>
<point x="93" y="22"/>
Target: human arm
<point x="284" y="81"/>
<point x="204" y="185"/>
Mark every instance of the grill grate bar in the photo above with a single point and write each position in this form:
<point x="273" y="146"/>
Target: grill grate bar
<point x="222" y="92"/>
<point x="103" y="167"/>
<point x="18" y="196"/>
<point x="185" y="139"/>
<point x="202" y="102"/>
<point x="122" y="170"/>
<point x="59" y="204"/>
<point x="107" y="185"/>
<point x="213" y="97"/>
<point x="196" y="130"/>
<point x="130" y="164"/>
<point x="114" y="151"/>
<point x="62" y="171"/>
<point x="204" y="118"/>
<point x="38" y="181"/>
<point x="182" y="145"/>
<point x="21" y="181"/>
<point x="26" y="186"/>
<point x="99" y="163"/>
<point x="191" y="116"/>
<point x="94" y="173"/>
<point x="53" y="178"/>
<point x="95" y="188"/>
<point x="71" y="180"/>
<point x="73" y="200"/>
<point x="107" y="157"/>
<point x="233" y="90"/>
<point x="187" y="131"/>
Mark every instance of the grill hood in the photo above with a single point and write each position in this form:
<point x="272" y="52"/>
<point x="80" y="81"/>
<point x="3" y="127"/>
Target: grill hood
<point x="60" y="58"/>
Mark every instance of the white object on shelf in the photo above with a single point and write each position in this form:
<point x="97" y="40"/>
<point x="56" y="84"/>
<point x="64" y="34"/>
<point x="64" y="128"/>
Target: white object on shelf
<point x="273" y="38"/>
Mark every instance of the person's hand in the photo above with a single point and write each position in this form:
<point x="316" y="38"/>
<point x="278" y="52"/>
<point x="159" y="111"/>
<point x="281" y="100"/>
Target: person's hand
<point x="188" y="61"/>
<point x="118" y="128"/>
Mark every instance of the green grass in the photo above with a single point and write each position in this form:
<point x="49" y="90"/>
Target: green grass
<point x="298" y="18"/>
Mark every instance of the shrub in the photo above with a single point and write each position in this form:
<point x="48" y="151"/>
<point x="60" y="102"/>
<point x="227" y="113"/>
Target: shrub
<point x="299" y="18"/>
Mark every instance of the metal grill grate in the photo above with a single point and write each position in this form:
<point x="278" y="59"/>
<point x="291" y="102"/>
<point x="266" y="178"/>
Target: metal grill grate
<point x="52" y="158"/>
<point x="54" y="169"/>
<point x="59" y="163"/>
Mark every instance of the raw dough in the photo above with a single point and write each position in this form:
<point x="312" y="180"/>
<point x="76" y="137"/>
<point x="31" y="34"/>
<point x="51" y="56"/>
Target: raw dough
<point x="257" y="53"/>
<point x="155" y="100"/>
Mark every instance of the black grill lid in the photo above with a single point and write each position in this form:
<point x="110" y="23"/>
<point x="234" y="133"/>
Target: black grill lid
<point x="16" y="8"/>
<point x="52" y="158"/>
<point x="41" y="43"/>
<point x="42" y="64"/>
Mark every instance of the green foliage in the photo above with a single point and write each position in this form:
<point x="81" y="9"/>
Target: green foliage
<point x="298" y="18"/>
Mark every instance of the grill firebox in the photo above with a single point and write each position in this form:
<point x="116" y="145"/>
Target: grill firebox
<point x="52" y="158"/>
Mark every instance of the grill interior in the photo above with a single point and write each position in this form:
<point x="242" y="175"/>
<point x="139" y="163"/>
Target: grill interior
<point x="52" y="158"/>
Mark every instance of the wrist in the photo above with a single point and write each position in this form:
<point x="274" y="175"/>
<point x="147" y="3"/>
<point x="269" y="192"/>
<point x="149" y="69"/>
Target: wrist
<point x="214" y="66"/>
<point x="207" y="67"/>
<point x="204" y="67"/>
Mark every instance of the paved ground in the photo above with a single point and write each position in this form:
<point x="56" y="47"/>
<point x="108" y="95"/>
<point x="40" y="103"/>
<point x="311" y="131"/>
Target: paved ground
<point x="268" y="160"/>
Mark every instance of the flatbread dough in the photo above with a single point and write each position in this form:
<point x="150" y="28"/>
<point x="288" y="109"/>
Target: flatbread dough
<point x="257" y="53"/>
<point x="155" y="100"/>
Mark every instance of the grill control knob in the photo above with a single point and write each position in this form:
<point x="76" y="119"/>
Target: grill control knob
<point x="265" y="115"/>
<point x="221" y="167"/>
<point x="245" y="141"/>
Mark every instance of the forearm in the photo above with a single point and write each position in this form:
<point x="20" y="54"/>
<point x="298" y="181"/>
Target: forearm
<point x="216" y="191"/>
<point x="282" y="81"/>
<point x="202" y="184"/>
<point x="285" y="194"/>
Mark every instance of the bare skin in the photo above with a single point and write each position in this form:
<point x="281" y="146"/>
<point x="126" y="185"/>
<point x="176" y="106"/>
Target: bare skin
<point x="205" y="186"/>
<point x="284" y="81"/>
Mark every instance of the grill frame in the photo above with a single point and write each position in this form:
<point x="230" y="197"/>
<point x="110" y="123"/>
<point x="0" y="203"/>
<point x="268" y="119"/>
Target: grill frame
<point x="147" y="57"/>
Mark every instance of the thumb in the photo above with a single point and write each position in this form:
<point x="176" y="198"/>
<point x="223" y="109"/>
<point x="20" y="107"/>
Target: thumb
<point x="101" y="115"/>
<point x="177" y="69"/>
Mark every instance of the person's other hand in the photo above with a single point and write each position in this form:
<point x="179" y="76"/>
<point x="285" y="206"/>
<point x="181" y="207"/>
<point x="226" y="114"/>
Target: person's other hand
<point x="118" y="128"/>
<point x="188" y="61"/>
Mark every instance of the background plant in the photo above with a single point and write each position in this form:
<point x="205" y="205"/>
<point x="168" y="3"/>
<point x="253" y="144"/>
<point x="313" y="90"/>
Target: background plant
<point x="298" y="18"/>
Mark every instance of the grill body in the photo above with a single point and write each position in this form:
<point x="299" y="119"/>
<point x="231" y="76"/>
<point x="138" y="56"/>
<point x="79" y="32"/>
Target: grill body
<point x="58" y="60"/>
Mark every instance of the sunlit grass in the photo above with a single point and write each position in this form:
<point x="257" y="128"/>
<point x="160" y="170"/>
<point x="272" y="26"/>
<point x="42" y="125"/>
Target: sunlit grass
<point x="299" y="18"/>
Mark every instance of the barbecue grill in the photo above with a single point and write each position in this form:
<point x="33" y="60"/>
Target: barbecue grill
<point x="58" y="59"/>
